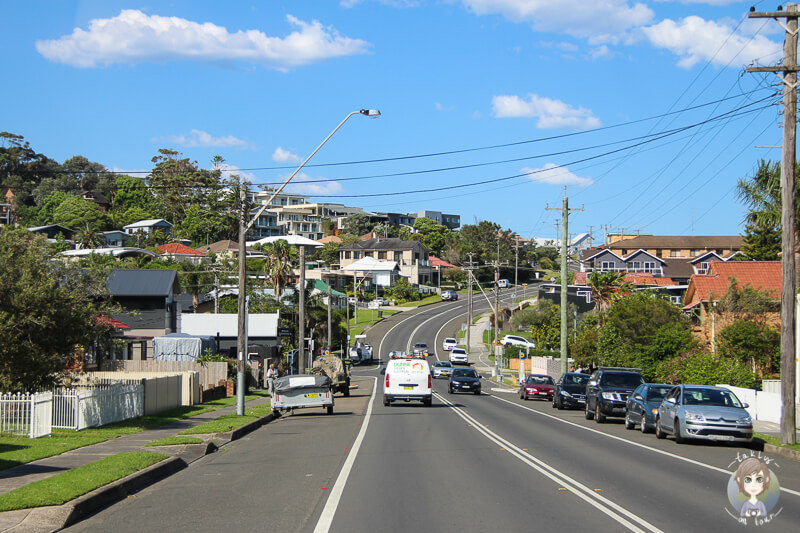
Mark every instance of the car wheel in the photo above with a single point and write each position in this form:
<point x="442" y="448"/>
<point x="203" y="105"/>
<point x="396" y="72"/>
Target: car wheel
<point x="598" y="414"/>
<point x="428" y="402"/>
<point x="588" y="412"/>
<point x="659" y="431"/>
<point x="553" y="404"/>
<point x="330" y="409"/>
<point x="521" y="395"/>
<point x="629" y="424"/>
<point x="450" y="390"/>
<point x="347" y="391"/>
<point x="386" y="401"/>
<point x="677" y="432"/>
<point x="477" y="392"/>
<point x="643" y="423"/>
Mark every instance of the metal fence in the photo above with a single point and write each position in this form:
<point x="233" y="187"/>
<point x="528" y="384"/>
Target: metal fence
<point x="26" y="414"/>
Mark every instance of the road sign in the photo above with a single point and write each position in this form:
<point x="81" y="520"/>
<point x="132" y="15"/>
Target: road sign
<point x="284" y="332"/>
<point x="521" y="354"/>
<point x="327" y="352"/>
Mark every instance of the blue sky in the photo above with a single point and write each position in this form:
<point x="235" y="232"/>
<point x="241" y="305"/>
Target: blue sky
<point x="490" y="108"/>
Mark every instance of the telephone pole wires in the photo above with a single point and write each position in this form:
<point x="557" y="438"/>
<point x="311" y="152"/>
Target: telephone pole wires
<point x="564" y="284"/>
<point x="788" y="259"/>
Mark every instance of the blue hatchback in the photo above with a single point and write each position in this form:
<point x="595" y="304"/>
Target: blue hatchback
<point x="642" y="405"/>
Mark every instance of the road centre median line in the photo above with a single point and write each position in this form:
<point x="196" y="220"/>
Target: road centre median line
<point x="662" y="452"/>
<point x="329" y="511"/>
<point x="591" y="497"/>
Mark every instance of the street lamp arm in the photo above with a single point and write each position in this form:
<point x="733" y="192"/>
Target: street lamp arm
<point x="366" y="112"/>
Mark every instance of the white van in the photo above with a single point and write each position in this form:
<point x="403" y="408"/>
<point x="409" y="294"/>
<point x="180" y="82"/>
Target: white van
<point x="407" y="379"/>
<point x="503" y="283"/>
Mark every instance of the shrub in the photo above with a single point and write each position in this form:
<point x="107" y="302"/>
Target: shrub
<point x="703" y="368"/>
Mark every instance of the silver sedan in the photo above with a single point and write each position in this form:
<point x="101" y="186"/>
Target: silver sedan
<point x="703" y="412"/>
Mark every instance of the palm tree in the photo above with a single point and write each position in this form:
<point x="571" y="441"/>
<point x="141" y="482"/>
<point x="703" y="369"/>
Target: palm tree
<point x="604" y="289"/>
<point x="89" y="239"/>
<point x="196" y="280"/>
<point x="278" y="264"/>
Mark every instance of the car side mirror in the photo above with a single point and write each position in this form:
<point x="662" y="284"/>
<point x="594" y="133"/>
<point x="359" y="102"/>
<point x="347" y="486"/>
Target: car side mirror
<point x="672" y="401"/>
<point x="745" y="405"/>
<point x="593" y="383"/>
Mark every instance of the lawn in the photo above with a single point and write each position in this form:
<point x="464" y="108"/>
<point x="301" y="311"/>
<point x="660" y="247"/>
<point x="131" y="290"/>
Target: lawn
<point x="427" y="300"/>
<point x="230" y="422"/>
<point x="174" y="441"/>
<point x="20" y="450"/>
<point x="775" y="441"/>
<point x="366" y="317"/>
<point x="68" y="485"/>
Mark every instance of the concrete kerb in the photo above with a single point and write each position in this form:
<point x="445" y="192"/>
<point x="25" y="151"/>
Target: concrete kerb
<point x="48" y="519"/>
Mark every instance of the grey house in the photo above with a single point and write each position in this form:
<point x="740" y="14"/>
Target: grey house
<point x="149" y="306"/>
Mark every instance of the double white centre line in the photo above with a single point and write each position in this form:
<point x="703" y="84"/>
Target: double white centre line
<point x="604" y="505"/>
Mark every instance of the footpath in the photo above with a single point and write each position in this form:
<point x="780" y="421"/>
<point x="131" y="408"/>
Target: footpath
<point x="46" y="519"/>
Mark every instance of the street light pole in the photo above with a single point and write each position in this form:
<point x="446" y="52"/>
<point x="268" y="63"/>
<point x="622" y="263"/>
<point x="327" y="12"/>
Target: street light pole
<point x="243" y="229"/>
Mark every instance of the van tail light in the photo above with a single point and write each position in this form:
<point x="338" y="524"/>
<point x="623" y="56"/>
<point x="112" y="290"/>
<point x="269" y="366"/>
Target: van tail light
<point x="387" y="379"/>
<point x="429" y="381"/>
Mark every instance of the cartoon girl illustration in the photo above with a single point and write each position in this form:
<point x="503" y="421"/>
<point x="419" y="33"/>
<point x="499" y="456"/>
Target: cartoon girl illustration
<point x="753" y="479"/>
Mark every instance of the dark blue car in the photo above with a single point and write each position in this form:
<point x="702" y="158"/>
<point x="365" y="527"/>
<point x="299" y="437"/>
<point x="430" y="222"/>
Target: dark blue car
<point x="642" y="405"/>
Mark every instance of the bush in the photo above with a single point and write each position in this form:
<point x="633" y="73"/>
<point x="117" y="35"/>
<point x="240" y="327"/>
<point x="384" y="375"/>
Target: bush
<point x="758" y="346"/>
<point x="703" y="368"/>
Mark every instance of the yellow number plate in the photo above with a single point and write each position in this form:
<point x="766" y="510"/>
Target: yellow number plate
<point x="312" y="395"/>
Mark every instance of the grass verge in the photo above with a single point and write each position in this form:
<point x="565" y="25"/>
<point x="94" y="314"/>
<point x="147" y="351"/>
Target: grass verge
<point x="20" y="450"/>
<point x="68" y="485"/>
<point x="427" y="300"/>
<point x="229" y="422"/>
<point x="775" y="441"/>
<point x="174" y="441"/>
<point x="366" y="317"/>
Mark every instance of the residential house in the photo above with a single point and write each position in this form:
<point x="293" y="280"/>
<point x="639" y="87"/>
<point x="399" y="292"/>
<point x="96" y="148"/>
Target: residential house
<point x="266" y="225"/>
<point x="672" y="247"/>
<point x="368" y="272"/>
<point x="181" y="252"/>
<point x="52" y="231"/>
<point x="7" y="214"/>
<point x="149" y="226"/>
<point x="116" y="238"/>
<point x="227" y="248"/>
<point x="705" y="290"/>
<point x="262" y="330"/>
<point x="148" y="299"/>
<point x="439" y="265"/>
<point x="97" y="198"/>
<point x="412" y="257"/>
<point x="450" y="221"/>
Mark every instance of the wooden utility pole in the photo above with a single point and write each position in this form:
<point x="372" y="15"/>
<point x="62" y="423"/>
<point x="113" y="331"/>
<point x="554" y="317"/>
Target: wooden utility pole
<point x="788" y="224"/>
<point x="469" y="270"/>
<point x="301" y="313"/>
<point x="564" y="281"/>
<point x="330" y="302"/>
<point x="242" y="301"/>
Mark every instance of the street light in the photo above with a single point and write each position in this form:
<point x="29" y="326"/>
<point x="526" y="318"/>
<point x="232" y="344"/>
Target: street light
<point x="243" y="228"/>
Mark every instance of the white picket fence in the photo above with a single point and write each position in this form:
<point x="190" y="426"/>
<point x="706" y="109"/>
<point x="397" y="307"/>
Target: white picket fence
<point x="26" y="414"/>
<point x="35" y="415"/>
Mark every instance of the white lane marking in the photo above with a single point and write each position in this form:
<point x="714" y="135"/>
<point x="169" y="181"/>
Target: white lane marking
<point x="328" y="512"/>
<point x="580" y="490"/>
<point x="643" y="446"/>
<point x="507" y="391"/>
<point x="380" y="346"/>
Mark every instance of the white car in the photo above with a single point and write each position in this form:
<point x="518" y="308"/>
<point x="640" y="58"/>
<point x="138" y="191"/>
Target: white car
<point x="407" y="379"/>
<point x="449" y="343"/>
<point x="515" y="340"/>
<point x="459" y="355"/>
<point x="503" y="283"/>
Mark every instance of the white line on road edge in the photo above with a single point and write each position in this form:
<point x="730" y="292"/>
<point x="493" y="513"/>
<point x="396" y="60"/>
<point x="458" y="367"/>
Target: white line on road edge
<point x="579" y="489"/>
<point x="662" y="452"/>
<point x="328" y="512"/>
<point x="380" y="346"/>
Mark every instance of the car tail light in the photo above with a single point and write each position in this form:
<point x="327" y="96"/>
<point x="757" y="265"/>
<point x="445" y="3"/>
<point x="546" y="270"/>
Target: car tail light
<point x="387" y="380"/>
<point x="429" y="381"/>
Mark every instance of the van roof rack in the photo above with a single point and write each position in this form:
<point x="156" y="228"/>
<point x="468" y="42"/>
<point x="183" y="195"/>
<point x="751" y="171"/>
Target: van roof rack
<point x="624" y="368"/>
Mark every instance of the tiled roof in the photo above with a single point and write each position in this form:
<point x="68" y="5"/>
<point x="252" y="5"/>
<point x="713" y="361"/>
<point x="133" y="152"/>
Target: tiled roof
<point x="723" y="242"/>
<point x="435" y="261"/>
<point x="384" y="244"/>
<point x="642" y="278"/>
<point x="178" y="248"/>
<point x="331" y="238"/>
<point x="761" y="275"/>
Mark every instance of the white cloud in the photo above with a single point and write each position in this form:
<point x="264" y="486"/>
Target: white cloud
<point x="284" y="156"/>
<point x="694" y="39"/>
<point x="556" y="175"/>
<point x="199" y="138"/>
<point x="601" y="52"/>
<point x="230" y="170"/>
<point x="601" y="20"/>
<point x="297" y="185"/>
<point x="551" y="114"/>
<point x="442" y="107"/>
<point x="133" y="36"/>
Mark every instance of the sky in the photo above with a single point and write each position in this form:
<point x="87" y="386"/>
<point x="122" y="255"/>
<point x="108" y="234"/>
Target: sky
<point x="641" y="113"/>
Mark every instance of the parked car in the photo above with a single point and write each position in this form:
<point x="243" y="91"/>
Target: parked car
<point x="703" y="412"/>
<point x="421" y="349"/>
<point x="570" y="391"/>
<point x="380" y="300"/>
<point x="503" y="284"/>
<point x="537" y="386"/>
<point x="449" y="296"/>
<point x="642" y="405"/>
<point x="442" y="369"/>
<point x="516" y="340"/>
<point x="449" y="343"/>
<point x="407" y="379"/>
<point x="465" y="380"/>
<point x="459" y="355"/>
<point x="397" y="354"/>
<point x="607" y="391"/>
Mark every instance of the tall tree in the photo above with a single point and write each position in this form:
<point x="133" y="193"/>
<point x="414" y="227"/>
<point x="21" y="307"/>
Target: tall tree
<point x="47" y="309"/>
<point x="356" y="224"/>
<point x="603" y="286"/>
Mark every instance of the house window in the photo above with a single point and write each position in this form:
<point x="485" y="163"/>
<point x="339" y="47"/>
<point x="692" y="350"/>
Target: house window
<point x="606" y="265"/>
<point x="356" y="255"/>
<point x="649" y="266"/>
<point x="660" y="253"/>
<point x="398" y="256"/>
<point x="635" y="266"/>
<point x="347" y="255"/>
<point x="381" y="255"/>
<point x="694" y="253"/>
<point x="675" y="253"/>
<point x="703" y="267"/>
<point x="305" y="227"/>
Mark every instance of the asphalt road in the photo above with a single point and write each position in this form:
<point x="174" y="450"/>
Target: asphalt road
<point x="468" y="463"/>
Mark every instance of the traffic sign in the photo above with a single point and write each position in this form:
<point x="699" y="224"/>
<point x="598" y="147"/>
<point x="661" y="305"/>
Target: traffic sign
<point x="327" y="352"/>
<point x="521" y="354"/>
